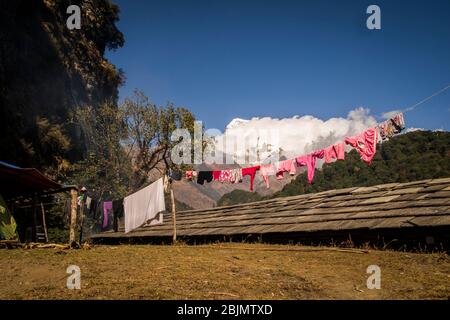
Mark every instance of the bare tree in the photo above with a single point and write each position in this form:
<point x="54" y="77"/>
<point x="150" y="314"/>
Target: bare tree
<point x="149" y="131"/>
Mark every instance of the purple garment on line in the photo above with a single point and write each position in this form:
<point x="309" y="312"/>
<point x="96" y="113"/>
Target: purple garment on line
<point x="107" y="205"/>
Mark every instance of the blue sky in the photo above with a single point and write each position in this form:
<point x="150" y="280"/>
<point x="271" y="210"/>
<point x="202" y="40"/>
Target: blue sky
<point x="247" y="58"/>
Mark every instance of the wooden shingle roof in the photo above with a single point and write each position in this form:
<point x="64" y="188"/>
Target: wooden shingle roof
<point x="423" y="203"/>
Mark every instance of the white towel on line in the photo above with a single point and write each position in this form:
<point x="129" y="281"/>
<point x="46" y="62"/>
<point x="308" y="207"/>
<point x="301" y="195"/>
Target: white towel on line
<point x="145" y="207"/>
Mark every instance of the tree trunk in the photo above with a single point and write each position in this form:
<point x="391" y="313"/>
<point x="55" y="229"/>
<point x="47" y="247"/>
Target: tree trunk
<point x="174" y="215"/>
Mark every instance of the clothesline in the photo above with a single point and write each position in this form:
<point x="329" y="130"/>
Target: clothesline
<point x="365" y="143"/>
<point x="411" y="108"/>
<point x="144" y="207"/>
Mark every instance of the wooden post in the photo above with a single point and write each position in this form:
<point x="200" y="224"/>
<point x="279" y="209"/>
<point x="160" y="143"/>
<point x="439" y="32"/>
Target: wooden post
<point x="81" y="218"/>
<point x="73" y="215"/>
<point x="174" y="215"/>
<point x="34" y="221"/>
<point x="44" y="223"/>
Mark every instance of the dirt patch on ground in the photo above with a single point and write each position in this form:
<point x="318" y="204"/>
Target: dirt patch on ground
<point x="228" y="271"/>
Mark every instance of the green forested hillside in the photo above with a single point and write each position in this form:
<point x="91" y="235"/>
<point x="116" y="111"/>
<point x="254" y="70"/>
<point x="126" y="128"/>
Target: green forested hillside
<point x="238" y="196"/>
<point x="413" y="156"/>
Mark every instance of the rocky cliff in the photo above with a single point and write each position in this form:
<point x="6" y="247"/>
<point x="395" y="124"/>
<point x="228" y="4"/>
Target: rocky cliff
<point x="46" y="71"/>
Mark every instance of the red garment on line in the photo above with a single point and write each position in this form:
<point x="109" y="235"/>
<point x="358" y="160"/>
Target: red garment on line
<point x="216" y="174"/>
<point x="189" y="175"/>
<point x="250" y="172"/>
<point x="365" y="143"/>
<point x="310" y="162"/>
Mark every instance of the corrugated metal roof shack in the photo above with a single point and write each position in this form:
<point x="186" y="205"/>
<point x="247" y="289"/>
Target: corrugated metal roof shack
<point x="390" y="215"/>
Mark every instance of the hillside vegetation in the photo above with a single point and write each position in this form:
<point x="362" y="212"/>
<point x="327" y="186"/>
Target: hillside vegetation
<point x="409" y="157"/>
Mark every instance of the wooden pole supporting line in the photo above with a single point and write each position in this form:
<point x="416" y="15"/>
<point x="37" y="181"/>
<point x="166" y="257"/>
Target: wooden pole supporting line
<point x="81" y="218"/>
<point x="44" y="223"/>
<point x="73" y="216"/>
<point x="174" y="214"/>
<point x="34" y="220"/>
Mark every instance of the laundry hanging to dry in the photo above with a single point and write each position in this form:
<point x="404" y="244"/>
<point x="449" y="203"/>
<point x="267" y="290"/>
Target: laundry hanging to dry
<point x="365" y="143"/>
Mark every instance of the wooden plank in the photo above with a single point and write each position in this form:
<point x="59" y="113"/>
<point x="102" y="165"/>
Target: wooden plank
<point x="387" y="186"/>
<point x="432" y="221"/>
<point x="434" y="188"/>
<point x="368" y="195"/>
<point x="409" y="197"/>
<point x="44" y="222"/>
<point x="404" y="191"/>
<point x="379" y="200"/>
<point x="364" y="190"/>
<point x="439" y="181"/>
<point x="347" y="203"/>
<point x="412" y="183"/>
<point x="439" y="194"/>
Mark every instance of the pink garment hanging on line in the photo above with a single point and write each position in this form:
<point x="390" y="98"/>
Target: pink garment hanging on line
<point x="107" y="206"/>
<point x="365" y="143"/>
<point x="266" y="171"/>
<point x="310" y="162"/>
<point x="285" y="166"/>
<point x="336" y="151"/>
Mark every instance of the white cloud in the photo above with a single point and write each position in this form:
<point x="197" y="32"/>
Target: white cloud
<point x="295" y="136"/>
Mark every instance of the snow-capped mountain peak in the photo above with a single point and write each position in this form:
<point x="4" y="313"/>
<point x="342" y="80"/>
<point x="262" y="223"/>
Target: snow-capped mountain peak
<point x="236" y="122"/>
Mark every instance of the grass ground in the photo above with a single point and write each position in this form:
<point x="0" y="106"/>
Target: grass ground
<point x="228" y="271"/>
